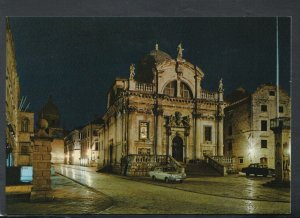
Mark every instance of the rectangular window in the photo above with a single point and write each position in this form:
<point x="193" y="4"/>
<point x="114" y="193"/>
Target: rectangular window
<point x="96" y="146"/>
<point x="230" y="146"/>
<point x="264" y="125"/>
<point x="263" y="108"/>
<point x="230" y="130"/>
<point x="144" y="130"/>
<point x="263" y="143"/>
<point x="272" y="93"/>
<point x="95" y="133"/>
<point x="207" y="133"/>
<point x="24" y="148"/>
<point x="280" y="109"/>
<point x="241" y="160"/>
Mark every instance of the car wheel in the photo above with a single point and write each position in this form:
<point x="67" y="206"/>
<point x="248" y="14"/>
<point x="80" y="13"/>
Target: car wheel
<point x="153" y="178"/>
<point x="167" y="180"/>
<point x="181" y="181"/>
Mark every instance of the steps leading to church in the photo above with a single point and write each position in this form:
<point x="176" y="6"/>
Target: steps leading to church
<point x="200" y="168"/>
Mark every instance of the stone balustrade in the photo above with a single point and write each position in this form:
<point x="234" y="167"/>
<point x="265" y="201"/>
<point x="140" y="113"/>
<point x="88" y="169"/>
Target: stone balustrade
<point x="140" y="165"/>
<point x="144" y="87"/>
<point x="208" y="95"/>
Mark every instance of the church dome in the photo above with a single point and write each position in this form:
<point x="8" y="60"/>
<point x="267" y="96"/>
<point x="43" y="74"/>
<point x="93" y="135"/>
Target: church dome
<point x="50" y="113"/>
<point x="147" y="64"/>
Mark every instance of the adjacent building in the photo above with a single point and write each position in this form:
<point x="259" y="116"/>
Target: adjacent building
<point x="247" y="133"/>
<point x="82" y="144"/>
<point x="19" y="121"/>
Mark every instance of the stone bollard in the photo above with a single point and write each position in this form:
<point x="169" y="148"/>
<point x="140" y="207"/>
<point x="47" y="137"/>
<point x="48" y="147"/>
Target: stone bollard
<point x="41" y="165"/>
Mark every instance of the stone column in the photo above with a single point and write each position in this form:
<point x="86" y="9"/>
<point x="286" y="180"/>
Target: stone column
<point x="220" y="137"/>
<point x="159" y="131"/>
<point x="131" y="130"/>
<point x="41" y="164"/>
<point x="185" y="152"/>
<point x="282" y="155"/>
<point x="198" y="138"/>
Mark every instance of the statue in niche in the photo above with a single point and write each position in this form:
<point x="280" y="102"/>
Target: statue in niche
<point x="178" y="118"/>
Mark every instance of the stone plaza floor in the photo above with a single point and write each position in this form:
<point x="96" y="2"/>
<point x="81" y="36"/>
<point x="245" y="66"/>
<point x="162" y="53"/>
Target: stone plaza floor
<point x="69" y="197"/>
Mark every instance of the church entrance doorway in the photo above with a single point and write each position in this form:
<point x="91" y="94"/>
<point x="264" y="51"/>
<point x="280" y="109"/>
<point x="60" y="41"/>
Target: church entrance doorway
<point x="111" y="149"/>
<point x="177" y="148"/>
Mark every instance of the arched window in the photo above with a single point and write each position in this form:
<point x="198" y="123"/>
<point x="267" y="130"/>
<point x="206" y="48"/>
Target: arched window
<point x="25" y="125"/>
<point x="185" y="91"/>
<point x="170" y="89"/>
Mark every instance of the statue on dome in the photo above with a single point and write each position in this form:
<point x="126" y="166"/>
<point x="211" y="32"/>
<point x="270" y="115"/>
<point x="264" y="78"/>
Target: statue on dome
<point x="132" y="73"/>
<point x="156" y="46"/>
<point x="180" y="50"/>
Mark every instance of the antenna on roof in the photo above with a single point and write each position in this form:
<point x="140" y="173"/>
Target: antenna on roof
<point x="27" y="107"/>
<point x="277" y="70"/>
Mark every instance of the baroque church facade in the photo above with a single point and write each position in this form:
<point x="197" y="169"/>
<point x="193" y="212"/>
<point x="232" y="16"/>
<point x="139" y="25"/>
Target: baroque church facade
<point x="162" y="110"/>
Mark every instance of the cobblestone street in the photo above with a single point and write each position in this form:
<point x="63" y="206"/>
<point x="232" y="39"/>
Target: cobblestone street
<point x="205" y="195"/>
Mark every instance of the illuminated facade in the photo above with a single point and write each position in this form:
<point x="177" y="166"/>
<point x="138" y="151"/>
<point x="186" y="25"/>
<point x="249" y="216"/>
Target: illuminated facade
<point x="162" y="110"/>
<point x="82" y="144"/>
<point x="19" y="122"/>
<point x="247" y="133"/>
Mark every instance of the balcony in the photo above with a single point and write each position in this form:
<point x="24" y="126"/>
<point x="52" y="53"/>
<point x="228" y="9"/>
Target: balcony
<point x="280" y="123"/>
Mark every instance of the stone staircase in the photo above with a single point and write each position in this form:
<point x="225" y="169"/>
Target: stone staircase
<point x="200" y="168"/>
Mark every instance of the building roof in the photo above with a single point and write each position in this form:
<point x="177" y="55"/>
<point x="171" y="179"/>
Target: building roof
<point x="236" y="95"/>
<point x="50" y="113"/>
<point x="146" y="65"/>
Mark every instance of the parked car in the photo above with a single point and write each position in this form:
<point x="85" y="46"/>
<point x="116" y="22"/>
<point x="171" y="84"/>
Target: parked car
<point x="258" y="169"/>
<point x="167" y="174"/>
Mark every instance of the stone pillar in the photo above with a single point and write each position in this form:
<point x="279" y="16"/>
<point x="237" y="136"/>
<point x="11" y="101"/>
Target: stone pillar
<point x="220" y="144"/>
<point x="185" y="152"/>
<point x="131" y="130"/>
<point x="168" y="133"/>
<point x="198" y="138"/>
<point x="41" y="164"/>
<point x="178" y="89"/>
<point x="159" y="131"/>
<point x="282" y="156"/>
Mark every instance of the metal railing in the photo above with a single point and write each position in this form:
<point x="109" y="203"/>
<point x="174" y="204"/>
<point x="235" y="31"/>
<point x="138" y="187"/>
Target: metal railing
<point x="281" y="123"/>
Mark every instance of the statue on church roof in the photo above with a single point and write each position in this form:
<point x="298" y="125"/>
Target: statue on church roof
<point x="132" y="73"/>
<point x="180" y="51"/>
<point x="221" y="89"/>
<point x="156" y="46"/>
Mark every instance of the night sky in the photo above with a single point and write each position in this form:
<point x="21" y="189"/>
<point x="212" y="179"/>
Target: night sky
<point x="77" y="59"/>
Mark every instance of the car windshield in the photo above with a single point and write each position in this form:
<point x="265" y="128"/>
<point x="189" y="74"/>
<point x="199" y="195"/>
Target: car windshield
<point x="169" y="169"/>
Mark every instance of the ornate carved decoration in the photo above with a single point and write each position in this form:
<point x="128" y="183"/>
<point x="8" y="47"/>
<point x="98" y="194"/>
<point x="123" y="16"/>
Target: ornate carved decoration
<point x="177" y="121"/>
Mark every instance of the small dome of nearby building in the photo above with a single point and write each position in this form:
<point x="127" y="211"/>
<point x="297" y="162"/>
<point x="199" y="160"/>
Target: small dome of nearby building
<point x="147" y="64"/>
<point x="50" y="113"/>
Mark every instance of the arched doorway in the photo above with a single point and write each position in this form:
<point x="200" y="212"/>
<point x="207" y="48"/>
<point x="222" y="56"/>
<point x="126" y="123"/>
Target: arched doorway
<point x="177" y="148"/>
